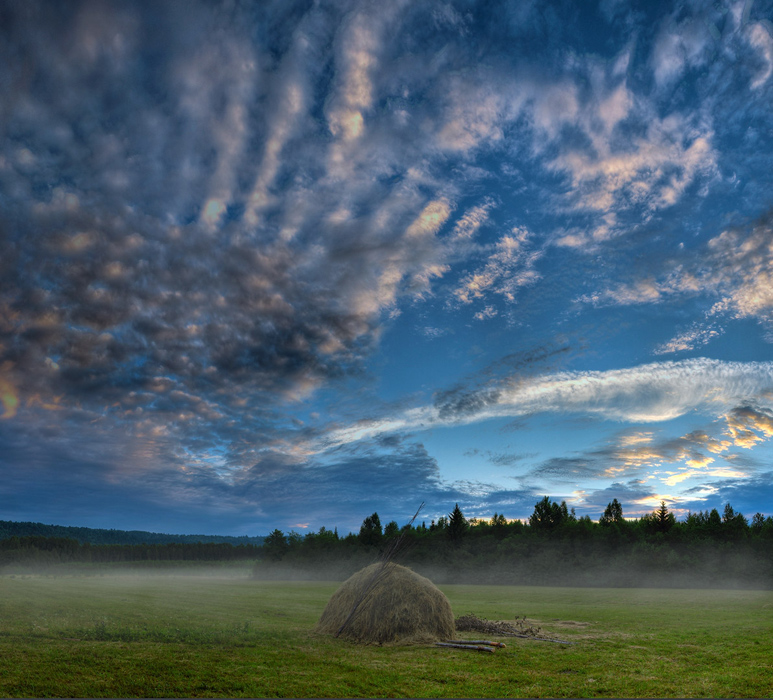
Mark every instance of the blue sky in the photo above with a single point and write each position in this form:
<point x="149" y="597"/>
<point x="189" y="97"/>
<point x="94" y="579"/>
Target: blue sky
<point x="282" y="264"/>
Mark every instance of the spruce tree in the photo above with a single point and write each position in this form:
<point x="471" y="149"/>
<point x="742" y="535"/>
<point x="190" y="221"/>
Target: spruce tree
<point x="663" y="518"/>
<point x="457" y="524"/>
<point x="275" y="545"/>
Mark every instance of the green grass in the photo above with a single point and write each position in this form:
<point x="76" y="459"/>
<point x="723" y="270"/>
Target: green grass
<point x="164" y="636"/>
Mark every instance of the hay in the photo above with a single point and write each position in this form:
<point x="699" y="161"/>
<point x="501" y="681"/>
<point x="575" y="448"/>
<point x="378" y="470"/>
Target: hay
<point x="402" y="608"/>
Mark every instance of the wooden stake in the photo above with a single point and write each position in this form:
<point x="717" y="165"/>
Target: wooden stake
<point x="502" y="645"/>
<point x="468" y="647"/>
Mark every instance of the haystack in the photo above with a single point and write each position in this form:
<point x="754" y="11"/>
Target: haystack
<point x="401" y="608"/>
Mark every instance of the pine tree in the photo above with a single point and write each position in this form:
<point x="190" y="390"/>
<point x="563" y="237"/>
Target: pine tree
<point x="457" y="524"/>
<point x="548" y="514"/>
<point x="370" y="530"/>
<point x="613" y="513"/>
<point x="542" y="517"/>
<point x="663" y="518"/>
<point x="275" y="545"/>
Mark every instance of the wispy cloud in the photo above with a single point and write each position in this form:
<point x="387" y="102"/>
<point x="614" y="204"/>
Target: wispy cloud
<point x="648" y="393"/>
<point x="760" y="36"/>
<point x="679" y="46"/>
<point x="510" y="266"/>
<point x="694" y="337"/>
<point x="732" y="270"/>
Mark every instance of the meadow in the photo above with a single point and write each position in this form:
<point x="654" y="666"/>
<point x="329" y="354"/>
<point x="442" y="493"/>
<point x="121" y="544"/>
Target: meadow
<point x="221" y="634"/>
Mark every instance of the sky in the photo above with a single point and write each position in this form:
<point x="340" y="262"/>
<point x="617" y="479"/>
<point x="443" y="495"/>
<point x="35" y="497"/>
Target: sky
<point x="283" y="264"/>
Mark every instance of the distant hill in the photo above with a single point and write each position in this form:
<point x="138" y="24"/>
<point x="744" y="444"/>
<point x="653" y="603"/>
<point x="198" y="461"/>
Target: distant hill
<point x="91" y="535"/>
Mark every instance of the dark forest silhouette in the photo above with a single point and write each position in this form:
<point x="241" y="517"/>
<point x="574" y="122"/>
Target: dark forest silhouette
<point x="552" y="546"/>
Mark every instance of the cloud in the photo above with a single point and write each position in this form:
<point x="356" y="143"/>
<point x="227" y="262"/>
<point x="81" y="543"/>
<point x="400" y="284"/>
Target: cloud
<point x="733" y="268"/>
<point x="652" y="392"/>
<point x="742" y="270"/>
<point x="643" y="458"/>
<point x="433" y="332"/>
<point x="509" y="267"/>
<point x="226" y="227"/>
<point x="487" y="312"/>
<point x="635" y="439"/>
<point x="679" y="46"/>
<point x="647" y="171"/>
<point x="626" y="493"/>
<point x="760" y="37"/>
<point x="141" y="477"/>
<point x="468" y="225"/>
<point x="565" y="469"/>
<point x="212" y="211"/>
<point x="639" y="454"/>
<point x="8" y="397"/>
<point x="648" y="393"/>
<point x="746" y="495"/>
<point x="696" y="336"/>
<point x="500" y="459"/>
<point x="475" y="112"/>
<point x="748" y="425"/>
<point x="625" y="156"/>
<point x="189" y="234"/>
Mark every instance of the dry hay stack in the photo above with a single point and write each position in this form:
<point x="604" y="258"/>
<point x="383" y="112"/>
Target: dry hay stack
<point x="403" y="607"/>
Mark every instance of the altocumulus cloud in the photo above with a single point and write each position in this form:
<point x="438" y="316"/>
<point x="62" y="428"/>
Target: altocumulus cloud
<point x="211" y="212"/>
<point x="155" y="243"/>
<point x="167" y="227"/>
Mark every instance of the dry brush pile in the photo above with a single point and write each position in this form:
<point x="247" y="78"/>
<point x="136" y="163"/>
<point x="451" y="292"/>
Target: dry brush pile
<point x="501" y="628"/>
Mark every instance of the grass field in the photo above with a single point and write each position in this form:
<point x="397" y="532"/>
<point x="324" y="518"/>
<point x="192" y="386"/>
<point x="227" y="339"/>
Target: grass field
<point x="196" y="636"/>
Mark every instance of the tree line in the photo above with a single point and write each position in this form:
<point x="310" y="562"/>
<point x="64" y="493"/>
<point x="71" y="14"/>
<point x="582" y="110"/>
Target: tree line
<point x="10" y="528"/>
<point x="38" y="551"/>
<point x="553" y="545"/>
<point x="549" y="520"/>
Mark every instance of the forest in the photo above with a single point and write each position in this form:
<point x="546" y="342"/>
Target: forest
<point x="10" y="528"/>
<point x="553" y="546"/>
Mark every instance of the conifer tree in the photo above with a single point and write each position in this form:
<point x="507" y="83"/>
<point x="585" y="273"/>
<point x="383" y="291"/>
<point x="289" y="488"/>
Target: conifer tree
<point x="370" y="530"/>
<point x="457" y="524"/>
<point x="612" y="514"/>
<point x="663" y="518"/>
<point x="275" y="545"/>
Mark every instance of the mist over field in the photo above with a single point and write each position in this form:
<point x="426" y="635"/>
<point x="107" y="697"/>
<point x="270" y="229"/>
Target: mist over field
<point x="129" y="634"/>
<point x="553" y="548"/>
<point x="711" y="572"/>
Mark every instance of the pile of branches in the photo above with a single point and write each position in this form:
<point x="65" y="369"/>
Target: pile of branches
<point x="518" y="628"/>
